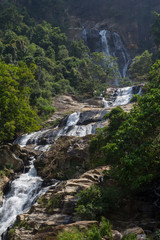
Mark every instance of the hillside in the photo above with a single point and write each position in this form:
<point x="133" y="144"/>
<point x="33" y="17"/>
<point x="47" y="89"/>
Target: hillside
<point x="130" y="18"/>
<point x="79" y="120"/>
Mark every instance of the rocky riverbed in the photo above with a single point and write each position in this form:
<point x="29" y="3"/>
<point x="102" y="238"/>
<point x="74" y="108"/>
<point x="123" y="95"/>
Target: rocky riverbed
<point x="67" y="159"/>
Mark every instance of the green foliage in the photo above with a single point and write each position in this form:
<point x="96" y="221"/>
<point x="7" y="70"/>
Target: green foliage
<point x="105" y="228"/>
<point x="111" y="197"/>
<point x="100" y="155"/>
<point x="74" y="234"/>
<point x="93" y="233"/>
<point x="11" y="233"/>
<point x="130" y="143"/>
<point x="97" y="200"/>
<point x="157" y="235"/>
<point x="54" y="201"/>
<point x="130" y="237"/>
<point x="116" y="117"/>
<point x="88" y="204"/>
<point x="156" y="28"/>
<point x="16" y="115"/>
<point x="59" y="67"/>
<point x="23" y="224"/>
<point x="140" y="66"/>
<point x="154" y="75"/>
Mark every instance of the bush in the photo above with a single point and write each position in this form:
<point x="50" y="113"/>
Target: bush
<point x="89" y="203"/>
<point x="93" y="233"/>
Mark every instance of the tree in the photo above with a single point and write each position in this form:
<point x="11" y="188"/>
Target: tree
<point x="140" y="66"/>
<point x="16" y="114"/>
<point x="156" y="28"/>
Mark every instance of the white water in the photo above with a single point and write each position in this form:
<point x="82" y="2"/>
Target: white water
<point x="80" y="131"/>
<point x="73" y="119"/>
<point x="123" y="97"/>
<point x="105" y="45"/>
<point x="117" y="49"/>
<point x="31" y="137"/>
<point x="24" y="191"/>
<point x="106" y="49"/>
<point x="84" y="35"/>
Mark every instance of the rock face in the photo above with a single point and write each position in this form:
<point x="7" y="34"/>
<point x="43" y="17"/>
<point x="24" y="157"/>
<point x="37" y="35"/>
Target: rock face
<point x="4" y="180"/>
<point x="123" y="17"/>
<point x="131" y="19"/>
<point x="12" y="161"/>
<point x="67" y="158"/>
<point x="10" y="157"/>
<point x="54" y="208"/>
<point x="65" y="104"/>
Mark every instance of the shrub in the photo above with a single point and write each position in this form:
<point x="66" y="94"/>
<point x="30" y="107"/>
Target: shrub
<point x="89" y="203"/>
<point x="93" y="233"/>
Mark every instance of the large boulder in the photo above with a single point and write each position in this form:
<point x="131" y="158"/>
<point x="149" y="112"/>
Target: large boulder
<point x="67" y="158"/>
<point x="10" y="157"/>
<point x="4" y="180"/>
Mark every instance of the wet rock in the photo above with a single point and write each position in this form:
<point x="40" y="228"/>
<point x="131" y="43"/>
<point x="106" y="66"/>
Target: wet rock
<point x="91" y="116"/>
<point x="10" y="158"/>
<point x="93" y="40"/>
<point x="54" y="211"/>
<point x="4" y="181"/>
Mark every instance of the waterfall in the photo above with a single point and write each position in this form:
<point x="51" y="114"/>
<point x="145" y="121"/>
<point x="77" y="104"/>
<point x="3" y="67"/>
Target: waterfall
<point x="121" y="96"/>
<point x="24" y="191"/>
<point x="105" y="45"/>
<point x="32" y="138"/>
<point x="84" y="35"/>
<point x="122" y="54"/>
<point x="111" y="44"/>
<point x="73" y="119"/>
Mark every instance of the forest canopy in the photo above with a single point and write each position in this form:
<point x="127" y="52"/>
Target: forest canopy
<point x="45" y="64"/>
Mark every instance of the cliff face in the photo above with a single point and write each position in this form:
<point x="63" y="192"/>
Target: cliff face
<point x="132" y="19"/>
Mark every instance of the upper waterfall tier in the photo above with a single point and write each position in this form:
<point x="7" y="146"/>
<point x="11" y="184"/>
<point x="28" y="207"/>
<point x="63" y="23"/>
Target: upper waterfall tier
<point x="109" y="43"/>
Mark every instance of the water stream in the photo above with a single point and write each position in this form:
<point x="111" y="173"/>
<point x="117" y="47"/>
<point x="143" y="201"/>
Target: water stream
<point x="121" y="96"/>
<point x="26" y="188"/>
<point x="112" y="44"/>
<point x="23" y="193"/>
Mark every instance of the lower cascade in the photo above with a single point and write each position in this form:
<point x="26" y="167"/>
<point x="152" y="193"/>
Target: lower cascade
<point x="24" y="191"/>
<point x="27" y="188"/>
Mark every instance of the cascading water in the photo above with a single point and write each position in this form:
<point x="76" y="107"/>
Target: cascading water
<point x="73" y="119"/>
<point x="84" y="35"/>
<point x="24" y="191"/>
<point x="32" y="138"/>
<point x="112" y="45"/>
<point x="121" y="96"/>
<point x="121" y="53"/>
<point x="104" y="40"/>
